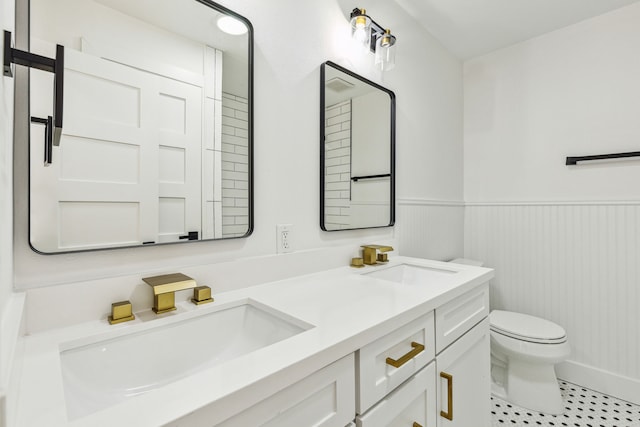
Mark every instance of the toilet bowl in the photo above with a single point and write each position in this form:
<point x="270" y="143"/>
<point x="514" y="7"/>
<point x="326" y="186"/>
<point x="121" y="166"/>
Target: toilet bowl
<point x="524" y="350"/>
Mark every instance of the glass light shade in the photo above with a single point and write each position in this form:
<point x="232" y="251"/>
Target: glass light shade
<point x="361" y="28"/>
<point x="386" y="51"/>
<point x="231" y="25"/>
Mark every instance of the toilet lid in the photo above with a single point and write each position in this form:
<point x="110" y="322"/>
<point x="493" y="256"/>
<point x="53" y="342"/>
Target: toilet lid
<point x="525" y="327"/>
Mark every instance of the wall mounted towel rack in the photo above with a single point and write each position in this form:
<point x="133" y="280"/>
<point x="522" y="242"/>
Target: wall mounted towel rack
<point x="359" y="178"/>
<point x="55" y="66"/>
<point x="575" y="160"/>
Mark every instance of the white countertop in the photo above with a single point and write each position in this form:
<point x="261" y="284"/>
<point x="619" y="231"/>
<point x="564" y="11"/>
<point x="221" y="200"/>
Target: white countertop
<point x="347" y="310"/>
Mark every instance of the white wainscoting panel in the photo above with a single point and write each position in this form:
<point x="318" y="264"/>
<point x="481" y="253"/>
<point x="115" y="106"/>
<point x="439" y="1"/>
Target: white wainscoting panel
<point x="430" y="229"/>
<point x="577" y="264"/>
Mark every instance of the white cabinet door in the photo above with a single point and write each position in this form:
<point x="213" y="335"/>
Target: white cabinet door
<point x="323" y="399"/>
<point x="463" y="380"/>
<point x="412" y="404"/>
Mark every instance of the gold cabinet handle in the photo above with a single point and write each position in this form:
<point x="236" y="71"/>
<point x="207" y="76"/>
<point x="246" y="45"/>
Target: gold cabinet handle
<point x="449" y="414"/>
<point x="415" y="424"/>
<point x="415" y="350"/>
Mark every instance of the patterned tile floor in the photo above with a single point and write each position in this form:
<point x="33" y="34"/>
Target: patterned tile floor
<point x="585" y="408"/>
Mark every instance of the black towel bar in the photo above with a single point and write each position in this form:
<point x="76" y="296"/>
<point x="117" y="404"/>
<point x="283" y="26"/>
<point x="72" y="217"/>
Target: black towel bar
<point x="48" y="137"/>
<point x="55" y="66"/>
<point x="575" y="160"/>
<point x="358" y="178"/>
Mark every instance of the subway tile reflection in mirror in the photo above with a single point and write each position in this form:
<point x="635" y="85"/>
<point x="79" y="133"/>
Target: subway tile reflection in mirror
<point x="357" y="151"/>
<point x="157" y="141"/>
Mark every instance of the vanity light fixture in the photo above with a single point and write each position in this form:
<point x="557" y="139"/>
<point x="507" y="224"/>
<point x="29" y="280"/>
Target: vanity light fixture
<point x="372" y="35"/>
<point x="385" y="53"/>
<point x="231" y="25"/>
<point x="361" y="26"/>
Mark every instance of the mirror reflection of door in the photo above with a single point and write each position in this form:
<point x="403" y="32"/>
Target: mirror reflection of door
<point x="155" y="142"/>
<point x="358" y="152"/>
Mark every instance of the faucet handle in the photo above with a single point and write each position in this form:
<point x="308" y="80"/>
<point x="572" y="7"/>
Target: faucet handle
<point x="201" y="295"/>
<point x="121" y="312"/>
<point x="383" y="257"/>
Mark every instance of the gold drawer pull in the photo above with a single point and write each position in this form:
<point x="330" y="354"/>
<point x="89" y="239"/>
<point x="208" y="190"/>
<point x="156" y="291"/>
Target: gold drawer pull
<point x="416" y="349"/>
<point x="415" y="424"/>
<point x="449" y="414"/>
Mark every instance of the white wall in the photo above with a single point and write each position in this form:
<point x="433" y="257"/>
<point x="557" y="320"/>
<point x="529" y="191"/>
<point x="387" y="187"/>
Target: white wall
<point x="6" y="168"/>
<point x="565" y="241"/>
<point x="428" y="86"/>
<point x="7" y="338"/>
<point x="431" y="229"/>
<point x="571" y="92"/>
<point x="429" y="149"/>
<point x="370" y="155"/>
<point x="76" y="23"/>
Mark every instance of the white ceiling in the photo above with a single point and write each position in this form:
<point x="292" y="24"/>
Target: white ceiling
<point x="470" y="28"/>
<point x="190" y="19"/>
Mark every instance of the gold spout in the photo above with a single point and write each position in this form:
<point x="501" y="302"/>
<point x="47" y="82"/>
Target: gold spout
<point x="164" y="290"/>
<point x="370" y="252"/>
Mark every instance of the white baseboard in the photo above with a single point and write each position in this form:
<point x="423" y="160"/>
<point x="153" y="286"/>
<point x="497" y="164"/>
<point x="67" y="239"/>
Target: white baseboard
<point x="615" y="385"/>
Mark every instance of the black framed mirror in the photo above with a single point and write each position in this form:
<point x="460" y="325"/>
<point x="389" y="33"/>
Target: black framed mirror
<point x="357" y="151"/>
<point x="157" y="140"/>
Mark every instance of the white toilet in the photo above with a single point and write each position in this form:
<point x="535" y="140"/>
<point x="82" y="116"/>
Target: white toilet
<point x="524" y="350"/>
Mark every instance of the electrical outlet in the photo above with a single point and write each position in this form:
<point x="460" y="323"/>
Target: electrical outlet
<point x="284" y="234"/>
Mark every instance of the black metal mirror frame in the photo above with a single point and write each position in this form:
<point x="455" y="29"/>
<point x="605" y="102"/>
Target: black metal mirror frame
<point x="392" y="144"/>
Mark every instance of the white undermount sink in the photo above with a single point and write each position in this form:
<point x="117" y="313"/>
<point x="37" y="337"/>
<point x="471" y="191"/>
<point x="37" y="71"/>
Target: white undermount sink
<point x="409" y="274"/>
<point x="100" y="374"/>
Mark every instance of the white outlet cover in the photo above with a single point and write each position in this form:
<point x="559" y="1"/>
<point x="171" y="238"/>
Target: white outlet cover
<point x="284" y="238"/>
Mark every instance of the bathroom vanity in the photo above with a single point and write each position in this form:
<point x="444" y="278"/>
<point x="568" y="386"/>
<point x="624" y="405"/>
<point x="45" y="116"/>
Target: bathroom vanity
<point x="406" y="342"/>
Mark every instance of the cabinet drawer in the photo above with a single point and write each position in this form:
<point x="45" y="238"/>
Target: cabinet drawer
<point x="456" y="317"/>
<point x="323" y="399"/>
<point x="411" y="404"/>
<point x="375" y="375"/>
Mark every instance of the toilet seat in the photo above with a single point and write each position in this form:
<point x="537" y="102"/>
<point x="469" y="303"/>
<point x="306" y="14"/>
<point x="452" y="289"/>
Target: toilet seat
<point x="526" y="328"/>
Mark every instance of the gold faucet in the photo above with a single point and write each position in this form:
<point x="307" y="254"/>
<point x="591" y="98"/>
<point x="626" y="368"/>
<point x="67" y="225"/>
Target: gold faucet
<point x="371" y="256"/>
<point x="164" y="290"/>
